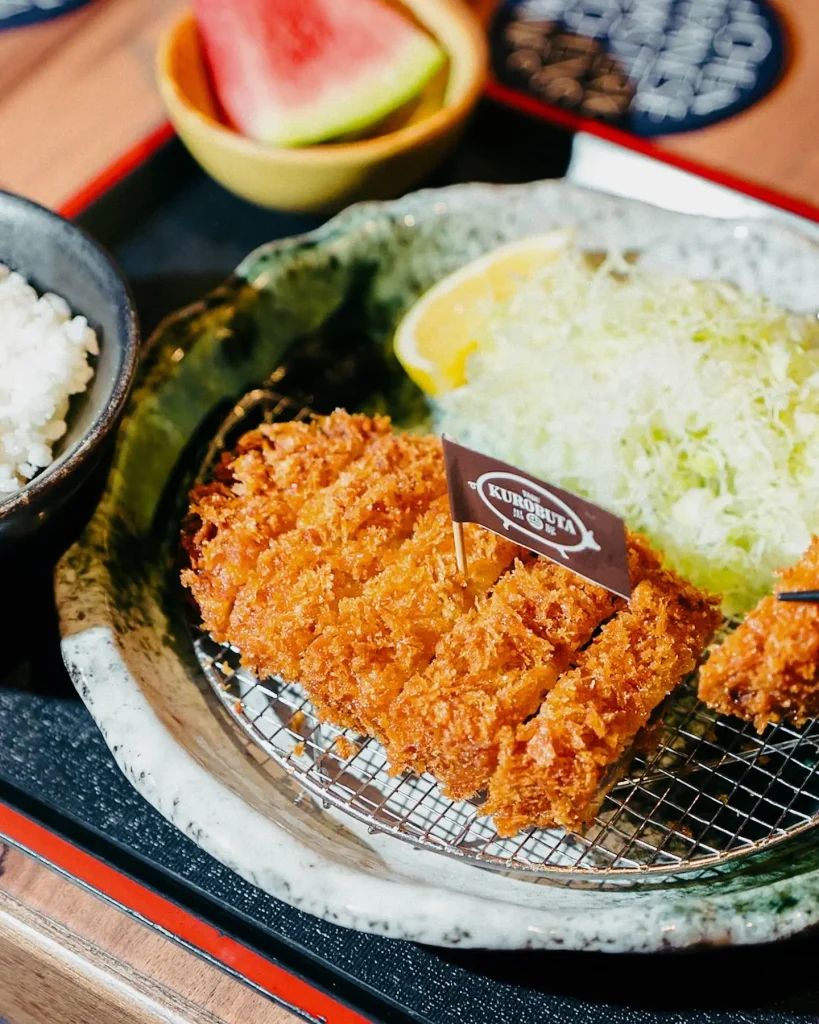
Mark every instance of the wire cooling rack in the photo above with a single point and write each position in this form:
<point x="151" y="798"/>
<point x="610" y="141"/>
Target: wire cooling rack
<point x="700" y="788"/>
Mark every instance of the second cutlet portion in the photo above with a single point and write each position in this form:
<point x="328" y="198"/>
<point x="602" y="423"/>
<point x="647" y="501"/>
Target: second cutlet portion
<point x="495" y="667"/>
<point x="344" y="535"/>
<point x="356" y="668"/>
<point x="768" y="668"/>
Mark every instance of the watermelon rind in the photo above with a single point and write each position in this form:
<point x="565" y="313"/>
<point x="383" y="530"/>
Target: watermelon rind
<point x="363" y="101"/>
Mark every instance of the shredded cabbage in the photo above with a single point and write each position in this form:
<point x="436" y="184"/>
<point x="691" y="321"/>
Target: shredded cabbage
<point x="690" y="409"/>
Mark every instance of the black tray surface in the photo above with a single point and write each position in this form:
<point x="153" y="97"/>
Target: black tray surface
<point x="176" y="234"/>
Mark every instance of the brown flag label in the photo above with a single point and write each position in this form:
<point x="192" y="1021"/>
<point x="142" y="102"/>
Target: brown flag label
<point x="549" y="521"/>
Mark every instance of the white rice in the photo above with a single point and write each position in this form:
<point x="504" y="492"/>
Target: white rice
<point x="43" y="361"/>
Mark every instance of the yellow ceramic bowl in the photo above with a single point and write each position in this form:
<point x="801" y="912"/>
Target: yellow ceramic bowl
<point x="327" y="177"/>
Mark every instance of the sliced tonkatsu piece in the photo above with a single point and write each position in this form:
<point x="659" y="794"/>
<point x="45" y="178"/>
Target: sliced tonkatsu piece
<point x="344" y="535"/>
<point x="494" y="669"/>
<point x="767" y="670"/>
<point x="358" y="665"/>
<point x="491" y="668"/>
<point x="256" y="495"/>
<point x="556" y="768"/>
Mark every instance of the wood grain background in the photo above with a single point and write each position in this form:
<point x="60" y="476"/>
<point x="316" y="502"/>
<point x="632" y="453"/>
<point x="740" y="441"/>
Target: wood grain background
<point x="76" y="92"/>
<point x="67" y="957"/>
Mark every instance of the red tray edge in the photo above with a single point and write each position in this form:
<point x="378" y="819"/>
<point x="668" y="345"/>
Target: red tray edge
<point x="130" y="160"/>
<point x="285" y="988"/>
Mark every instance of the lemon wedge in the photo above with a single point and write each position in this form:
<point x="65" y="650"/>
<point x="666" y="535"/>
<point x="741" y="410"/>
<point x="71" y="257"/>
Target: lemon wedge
<point x="441" y="330"/>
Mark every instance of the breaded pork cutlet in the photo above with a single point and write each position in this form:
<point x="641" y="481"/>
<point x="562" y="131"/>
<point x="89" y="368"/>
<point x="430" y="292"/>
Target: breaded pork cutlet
<point x="767" y="670"/>
<point x="323" y="552"/>
<point x="358" y="665"/>
<point x="256" y="495"/>
<point x="345" y="534"/>
<point x="556" y="768"/>
<point x="495" y="667"/>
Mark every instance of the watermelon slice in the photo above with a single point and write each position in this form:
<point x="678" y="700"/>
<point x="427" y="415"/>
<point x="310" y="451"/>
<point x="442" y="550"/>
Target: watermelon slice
<point x="297" y="72"/>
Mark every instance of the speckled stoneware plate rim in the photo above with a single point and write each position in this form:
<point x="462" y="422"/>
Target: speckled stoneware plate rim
<point x="165" y="729"/>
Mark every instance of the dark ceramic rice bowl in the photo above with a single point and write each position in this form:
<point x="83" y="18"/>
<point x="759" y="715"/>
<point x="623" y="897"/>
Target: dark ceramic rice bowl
<point x="55" y="255"/>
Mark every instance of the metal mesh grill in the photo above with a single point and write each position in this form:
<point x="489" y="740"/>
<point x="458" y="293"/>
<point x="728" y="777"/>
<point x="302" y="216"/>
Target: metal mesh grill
<point x="700" y="788"/>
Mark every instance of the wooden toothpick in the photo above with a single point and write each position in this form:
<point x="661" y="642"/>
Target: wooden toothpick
<point x="460" y="551"/>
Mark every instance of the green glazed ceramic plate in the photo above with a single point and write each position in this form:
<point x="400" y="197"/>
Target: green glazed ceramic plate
<point x="315" y="316"/>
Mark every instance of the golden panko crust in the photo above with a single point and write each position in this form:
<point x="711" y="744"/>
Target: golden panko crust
<point x="323" y="552"/>
<point x="767" y="670"/>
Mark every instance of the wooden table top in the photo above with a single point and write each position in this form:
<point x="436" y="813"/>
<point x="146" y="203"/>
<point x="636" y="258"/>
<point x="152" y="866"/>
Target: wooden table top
<point x="67" y="957"/>
<point x="75" y="93"/>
